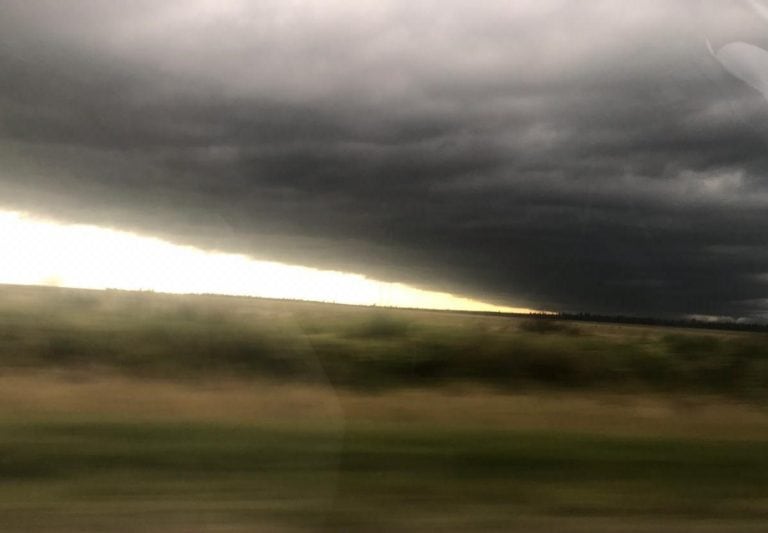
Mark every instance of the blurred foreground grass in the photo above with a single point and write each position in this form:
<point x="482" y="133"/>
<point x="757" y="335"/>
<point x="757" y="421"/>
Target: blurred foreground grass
<point x="149" y="413"/>
<point x="199" y="477"/>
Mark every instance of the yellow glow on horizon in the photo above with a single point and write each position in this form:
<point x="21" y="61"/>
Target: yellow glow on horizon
<point x="37" y="252"/>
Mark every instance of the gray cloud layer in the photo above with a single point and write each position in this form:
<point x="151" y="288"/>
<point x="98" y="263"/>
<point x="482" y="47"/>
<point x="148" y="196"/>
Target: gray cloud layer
<point x="557" y="154"/>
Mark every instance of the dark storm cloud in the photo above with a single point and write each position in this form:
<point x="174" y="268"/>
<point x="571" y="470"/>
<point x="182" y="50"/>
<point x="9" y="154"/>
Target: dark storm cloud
<point x="562" y="155"/>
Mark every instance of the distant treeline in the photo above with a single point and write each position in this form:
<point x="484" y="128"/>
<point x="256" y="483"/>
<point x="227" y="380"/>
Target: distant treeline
<point x="650" y="321"/>
<point x="720" y="325"/>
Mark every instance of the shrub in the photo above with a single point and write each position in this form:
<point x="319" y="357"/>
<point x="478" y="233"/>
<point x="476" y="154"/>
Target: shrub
<point x="548" y="325"/>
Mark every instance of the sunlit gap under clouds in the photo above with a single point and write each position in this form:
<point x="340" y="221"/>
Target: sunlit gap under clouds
<point x="39" y="252"/>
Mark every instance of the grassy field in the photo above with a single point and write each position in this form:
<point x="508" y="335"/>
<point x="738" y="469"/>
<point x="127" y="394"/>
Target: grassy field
<point x="167" y="336"/>
<point x="149" y="413"/>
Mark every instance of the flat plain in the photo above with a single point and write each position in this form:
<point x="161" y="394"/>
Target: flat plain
<point x="147" y="412"/>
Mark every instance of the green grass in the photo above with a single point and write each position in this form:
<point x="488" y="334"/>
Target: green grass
<point x="185" y="336"/>
<point x="366" y="478"/>
<point x="137" y="412"/>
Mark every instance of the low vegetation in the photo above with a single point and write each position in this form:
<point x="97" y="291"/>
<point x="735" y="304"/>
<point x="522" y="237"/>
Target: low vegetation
<point x="188" y="337"/>
<point x="103" y="476"/>
<point x="140" y="412"/>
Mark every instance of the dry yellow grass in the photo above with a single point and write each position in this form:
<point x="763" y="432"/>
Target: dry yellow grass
<point x="139" y="412"/>
<point x="35" y="395"/>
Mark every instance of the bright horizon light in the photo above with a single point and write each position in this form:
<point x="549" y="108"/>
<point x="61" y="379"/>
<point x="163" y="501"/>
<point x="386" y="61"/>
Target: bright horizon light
<point x="40" y="252"/>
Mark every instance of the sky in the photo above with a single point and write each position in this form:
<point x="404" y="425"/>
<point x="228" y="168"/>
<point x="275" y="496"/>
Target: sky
<point x="598" y="156"/>
<point x="40" y="252"/>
